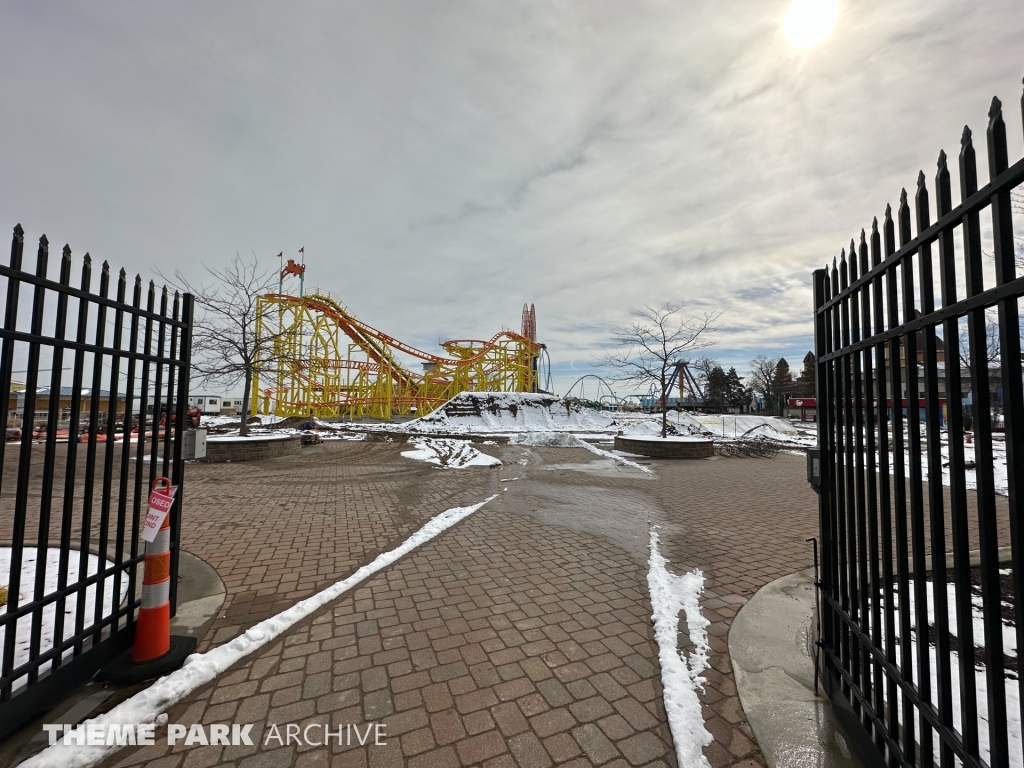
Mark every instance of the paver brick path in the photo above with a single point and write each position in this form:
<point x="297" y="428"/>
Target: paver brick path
<point x="521" y="637"/>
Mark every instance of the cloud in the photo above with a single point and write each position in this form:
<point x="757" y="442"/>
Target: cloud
<point x="443" y="163"/>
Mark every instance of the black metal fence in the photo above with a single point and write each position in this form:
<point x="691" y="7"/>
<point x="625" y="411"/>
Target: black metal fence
<point x="921" y="522"/>
<point x="73" y="486"/>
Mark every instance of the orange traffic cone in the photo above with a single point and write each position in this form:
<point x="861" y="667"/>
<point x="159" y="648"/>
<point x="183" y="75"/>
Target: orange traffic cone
<point x="154" y="652"/>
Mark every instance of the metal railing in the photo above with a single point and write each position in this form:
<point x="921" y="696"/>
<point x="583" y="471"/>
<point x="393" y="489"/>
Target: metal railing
<point x="913" y="555"/>
<point x="72" y="492"/>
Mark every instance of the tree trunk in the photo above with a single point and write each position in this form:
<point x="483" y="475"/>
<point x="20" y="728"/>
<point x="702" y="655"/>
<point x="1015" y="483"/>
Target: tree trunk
<point x="243" y="430"/>
<point x="664" y="409"/>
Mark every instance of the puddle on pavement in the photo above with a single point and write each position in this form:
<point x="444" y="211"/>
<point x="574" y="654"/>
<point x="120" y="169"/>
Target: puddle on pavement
<point x="621" y="517"/>
<point x="599" y="468"/>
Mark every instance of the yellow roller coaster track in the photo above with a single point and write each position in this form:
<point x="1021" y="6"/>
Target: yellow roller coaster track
<point x="320" y="360"/>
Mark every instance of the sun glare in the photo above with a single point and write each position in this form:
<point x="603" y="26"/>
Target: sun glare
<point x="808" y="22"/>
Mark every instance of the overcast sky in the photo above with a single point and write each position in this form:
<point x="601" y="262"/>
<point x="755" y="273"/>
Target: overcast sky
<point x="442" y="163"/>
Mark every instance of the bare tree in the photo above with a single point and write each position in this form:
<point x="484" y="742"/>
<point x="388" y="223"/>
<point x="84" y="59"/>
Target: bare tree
<point x="650" y="347"/>
<point x="226" y="348"/>
<point x="764" y="378"/>
<point x="991" y="352"/>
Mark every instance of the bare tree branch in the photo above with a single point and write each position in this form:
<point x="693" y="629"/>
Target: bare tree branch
<point x="650" y="347"/>
<point x="225" y="346"/>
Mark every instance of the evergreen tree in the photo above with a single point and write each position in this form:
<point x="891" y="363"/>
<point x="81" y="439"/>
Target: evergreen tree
<point x="784" y="384"/>
<point x="737" y="395"/>
<point x="716" y="392"/>
<point x="806" y="380"/>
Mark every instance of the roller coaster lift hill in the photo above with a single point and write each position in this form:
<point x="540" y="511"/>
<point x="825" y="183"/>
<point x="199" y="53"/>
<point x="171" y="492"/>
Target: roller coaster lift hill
<point x="323" y="361"/>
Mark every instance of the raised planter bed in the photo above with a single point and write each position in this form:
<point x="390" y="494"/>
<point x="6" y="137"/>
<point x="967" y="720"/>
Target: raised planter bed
<point x="666" y="448"/>
<point x="252" y="448"/>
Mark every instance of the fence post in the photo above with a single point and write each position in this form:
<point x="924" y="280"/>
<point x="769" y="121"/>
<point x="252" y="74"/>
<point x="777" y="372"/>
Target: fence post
<point x="821" y="378"/>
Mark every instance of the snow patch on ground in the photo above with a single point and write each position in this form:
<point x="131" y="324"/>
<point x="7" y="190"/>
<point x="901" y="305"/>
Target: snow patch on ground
<point x="449" y="454"/>
<point x="26" y="592"/>
<point x="680" y="672"/>
<point x="563" y="440"/>
<point x="509" y="412"/>
<point x="200" y="668"/>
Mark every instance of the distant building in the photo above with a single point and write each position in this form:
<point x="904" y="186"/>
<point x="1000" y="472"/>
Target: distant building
<point x="230" y="406"/>
<point x="208" y="404"/>
<point x="63" y="403"/>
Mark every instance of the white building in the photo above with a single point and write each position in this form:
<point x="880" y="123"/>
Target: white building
<point x="209" y="404"/>
<point x="231" y="406"/>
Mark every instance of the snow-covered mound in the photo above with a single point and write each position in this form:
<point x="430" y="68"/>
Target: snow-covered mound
<point x="509" y="412"/>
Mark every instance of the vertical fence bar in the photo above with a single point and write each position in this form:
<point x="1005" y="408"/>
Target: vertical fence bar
<point x="987" y="526"/>
<point x="6" y="373"/>
<point x="871" y="589"/>
<point x="49" y="459"/>
<point x="126" y="450"/>
<point x="871" y="490"/>
<point x="71" y="465"/>
<point x="862" y="660"/>
<point x="140" y="448"/>
<point x="25" y="462"/>
<point x="829" y="468"/>
<point x="108" y="470"/>
<point x="849" y="525"/>
<point x="90" y="459"/>
<point x="884" y="496"/>
<point x="943" y="697"/>
<point x="173" y="423"/>
<point x="896" y="347"/>
<point x="10" y="325"/>
<point x="161" y="409"/>
<point x="49" y="470"/>
<point x="957" y="485"/>
<point x="920" y="590"/>
<point x="839" y="398"/>
<point x="821" y="376"/>
<point x="178" y="466"/>
<point x="1009" y="359"/>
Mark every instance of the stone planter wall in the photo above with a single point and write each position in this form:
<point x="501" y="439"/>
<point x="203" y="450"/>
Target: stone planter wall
<point x="252" y="450"/>
<point x="657" y="448"/>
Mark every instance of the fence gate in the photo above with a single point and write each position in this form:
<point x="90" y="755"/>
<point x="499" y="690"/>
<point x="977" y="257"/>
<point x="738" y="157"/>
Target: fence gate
<point x="95" y="385"/>
<point x="921" y="434"/>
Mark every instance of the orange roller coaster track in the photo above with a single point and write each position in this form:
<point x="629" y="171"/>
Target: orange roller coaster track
<point x="318" y="359"/>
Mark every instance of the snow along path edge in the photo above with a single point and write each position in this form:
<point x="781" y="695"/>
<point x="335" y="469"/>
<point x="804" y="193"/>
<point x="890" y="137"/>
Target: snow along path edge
<point x="680" y="677"/>
<point x="200" y="668"/>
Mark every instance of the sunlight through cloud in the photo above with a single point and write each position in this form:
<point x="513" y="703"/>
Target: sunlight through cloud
<point x="808" y="22"/>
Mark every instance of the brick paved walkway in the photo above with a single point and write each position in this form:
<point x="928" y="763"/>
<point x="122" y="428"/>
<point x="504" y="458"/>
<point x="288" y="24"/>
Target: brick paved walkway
<point x="521" y="637"/>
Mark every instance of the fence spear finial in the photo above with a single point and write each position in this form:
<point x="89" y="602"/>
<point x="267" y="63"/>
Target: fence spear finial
<point x="942" y="159"/>
<point x="18" y="231"/>
<point x="995" y="109"/>
<point x="903" y="197"/>
<point x="874" y="226"/>
<point x="920" y="179"/>
<point x="965" y="137"/>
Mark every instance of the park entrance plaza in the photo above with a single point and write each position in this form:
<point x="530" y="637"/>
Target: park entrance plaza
<point x="522" y="636"/>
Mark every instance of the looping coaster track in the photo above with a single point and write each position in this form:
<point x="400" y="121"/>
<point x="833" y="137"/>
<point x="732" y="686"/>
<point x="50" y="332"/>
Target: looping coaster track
<point x="318" y="359"/>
